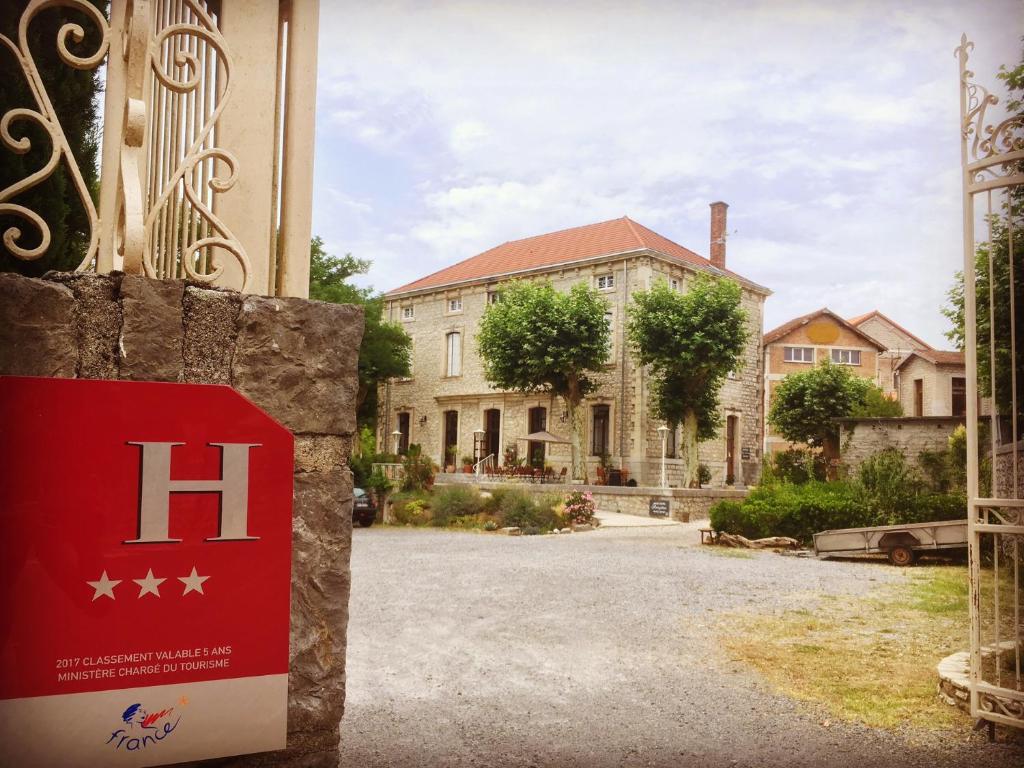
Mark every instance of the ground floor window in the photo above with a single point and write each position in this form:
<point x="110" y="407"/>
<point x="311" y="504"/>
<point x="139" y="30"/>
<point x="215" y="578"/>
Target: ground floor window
<point x="403" y="439"/>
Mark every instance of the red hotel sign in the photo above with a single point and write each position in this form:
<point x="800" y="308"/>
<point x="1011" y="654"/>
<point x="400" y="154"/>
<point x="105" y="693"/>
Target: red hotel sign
<point x="145" y="558"/>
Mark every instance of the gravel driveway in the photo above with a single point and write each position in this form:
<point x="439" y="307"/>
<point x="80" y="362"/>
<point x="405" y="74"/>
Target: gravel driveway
<point x="591" y="649"/>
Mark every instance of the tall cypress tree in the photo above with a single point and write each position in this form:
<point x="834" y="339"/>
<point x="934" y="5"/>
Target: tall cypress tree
<point x="75" y="95"/>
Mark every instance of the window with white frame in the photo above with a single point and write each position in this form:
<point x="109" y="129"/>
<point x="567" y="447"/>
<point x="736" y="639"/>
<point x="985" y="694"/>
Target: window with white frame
<point x="493" y="297"/>
<point x="455" y="305"/>
<point x="408" y="313"/>
<point x="605" y="282"/>
<point x="673" y="283"/>
<point x="798" y="354"/>
<point x="453" y="344"/>
<point x="846" y="356"/>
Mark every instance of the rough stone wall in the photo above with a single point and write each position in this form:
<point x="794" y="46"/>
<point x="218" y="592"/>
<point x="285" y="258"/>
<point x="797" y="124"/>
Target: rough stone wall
<point x="294" y="358"/>
<point x="687" y="504"/>
<point x="633" y="438"/>
<point x="861" y="438"/>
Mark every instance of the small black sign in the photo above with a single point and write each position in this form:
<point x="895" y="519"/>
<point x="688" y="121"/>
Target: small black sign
<point x="659" y="508"/>
<point x="745" y="453"/>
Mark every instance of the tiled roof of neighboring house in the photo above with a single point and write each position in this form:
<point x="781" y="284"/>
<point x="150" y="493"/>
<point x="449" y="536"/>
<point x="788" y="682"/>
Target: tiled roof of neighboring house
<point x="786" y="328"/>
<point x="922" y="344"/>
<point x="607" y="238"/>
<point x="935" y="357"/>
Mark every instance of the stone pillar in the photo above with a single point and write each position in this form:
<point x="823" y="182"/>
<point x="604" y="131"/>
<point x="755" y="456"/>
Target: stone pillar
<point x="297" y="360"/>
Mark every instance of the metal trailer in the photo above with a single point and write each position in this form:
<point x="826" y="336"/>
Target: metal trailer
<point x="901" y="543"/>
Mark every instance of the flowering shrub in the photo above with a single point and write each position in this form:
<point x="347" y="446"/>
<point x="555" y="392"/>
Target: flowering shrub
<point x="579" y="507"/>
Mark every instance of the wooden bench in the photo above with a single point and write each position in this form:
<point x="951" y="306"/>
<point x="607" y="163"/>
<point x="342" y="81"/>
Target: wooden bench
<point x="708" y="536"/>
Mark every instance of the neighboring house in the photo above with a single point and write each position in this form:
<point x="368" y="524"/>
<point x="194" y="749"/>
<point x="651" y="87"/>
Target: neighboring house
<point x="447" y="402"/>
<point x="899" y="343"/>
<point x="932" y="383"/>
<point x="804" y="341"/>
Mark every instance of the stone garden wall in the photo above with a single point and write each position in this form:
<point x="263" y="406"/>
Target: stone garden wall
<point x="686" y="504"/>
<point x="294" y="358"/>
<point x="861" y="438"/>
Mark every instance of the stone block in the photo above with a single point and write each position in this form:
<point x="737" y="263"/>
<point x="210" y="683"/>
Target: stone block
<point x="37" y="328"/>
<point x="321" y="453"/>
<point x="210" y="318"/>
<point x="297" y="360"/>
<point x="98" y="321"/>
<point x="321" y="541"/>
<point x="151" y="329"/>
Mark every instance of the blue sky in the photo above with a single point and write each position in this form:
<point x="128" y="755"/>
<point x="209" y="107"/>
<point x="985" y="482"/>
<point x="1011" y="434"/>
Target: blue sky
<point x="830" y="128"/>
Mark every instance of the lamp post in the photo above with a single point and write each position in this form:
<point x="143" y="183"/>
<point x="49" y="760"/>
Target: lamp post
<point x="397" y="434"/>
<point x="664" y="440"/>
<point x="478" y="444"/>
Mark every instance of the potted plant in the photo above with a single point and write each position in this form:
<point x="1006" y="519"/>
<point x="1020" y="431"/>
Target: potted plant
<point x="449" y="458"/>
<point x="467" y="464"/>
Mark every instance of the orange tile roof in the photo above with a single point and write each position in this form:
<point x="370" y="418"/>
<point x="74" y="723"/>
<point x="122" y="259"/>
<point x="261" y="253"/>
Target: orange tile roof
<point x="566" y="246"/>
<point x="786" y="328"/>
<point x="935" y="357"/>
<point x="875" y="313"/>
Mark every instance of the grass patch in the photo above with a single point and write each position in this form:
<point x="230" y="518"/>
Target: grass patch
<point x="740" y="554"/>
<point x="866" y="659"/>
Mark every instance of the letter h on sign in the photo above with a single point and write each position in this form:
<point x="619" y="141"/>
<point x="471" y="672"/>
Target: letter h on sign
<point x="157" y="487"/>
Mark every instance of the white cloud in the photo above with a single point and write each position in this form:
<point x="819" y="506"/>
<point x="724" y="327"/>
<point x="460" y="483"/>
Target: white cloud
<point x="829" y="128"/>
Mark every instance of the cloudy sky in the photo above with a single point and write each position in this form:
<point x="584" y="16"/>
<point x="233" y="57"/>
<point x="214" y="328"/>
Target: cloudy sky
<point x="830" y="128"/>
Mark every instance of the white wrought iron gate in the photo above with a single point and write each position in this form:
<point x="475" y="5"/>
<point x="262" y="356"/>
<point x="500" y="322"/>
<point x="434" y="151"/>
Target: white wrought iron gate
<point x="992" y="157"/>
<point x="207" y="139"/>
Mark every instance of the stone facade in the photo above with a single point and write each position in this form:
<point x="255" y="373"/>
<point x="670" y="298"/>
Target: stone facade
<point x="862" y="438"/>
<point x="294" y="358"/>
<point x="686" y="504"/>
<point x="898" y="341"/>
<point x="1009" y="465"/>
<point x="820" y="332"/>
<point x="633" y="439"/>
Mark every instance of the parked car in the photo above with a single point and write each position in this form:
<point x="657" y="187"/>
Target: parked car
<point x="364" y="508"/>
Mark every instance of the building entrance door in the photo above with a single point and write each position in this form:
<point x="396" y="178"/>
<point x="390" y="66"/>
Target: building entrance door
<point x="730" y="450"/>
<point x="492" y="433"/>
<point x="450" y="448"/>
<point x="535" y="449"/>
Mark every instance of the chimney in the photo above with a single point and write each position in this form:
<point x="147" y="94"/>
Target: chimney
<point x="718" y="234"/>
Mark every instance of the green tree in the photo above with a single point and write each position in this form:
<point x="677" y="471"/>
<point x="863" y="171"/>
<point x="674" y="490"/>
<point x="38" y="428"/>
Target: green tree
<point x="386" y="350"/>
<point x="73" y="94"/>
<point x="805" y="405"/>
<point x="877" y="405"/>
<point x="537" y="339"/>
<point x="690" y="341"/>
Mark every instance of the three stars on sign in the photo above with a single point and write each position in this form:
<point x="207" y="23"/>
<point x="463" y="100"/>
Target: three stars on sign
<point x="150" y="585"/>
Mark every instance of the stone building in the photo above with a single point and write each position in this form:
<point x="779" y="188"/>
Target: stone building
<point x="447" y="402"/>
<point x="932" y="382"/>
<point x="898" y="341"/>
<point x="800" y="344"/>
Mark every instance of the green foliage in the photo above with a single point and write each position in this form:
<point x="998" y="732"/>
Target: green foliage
<point x="703" y="474"/>
<point x="419" y="469"/>
<point x="379" y="484"/>
<point x="876" y="405"/>
<point x="537" y="339"/>
<point x="889" y="482"/>
<point x="453" y="501"/>
<point x="514" y="507"/>
<point x="946" y="471"/>
<point x="887" y="493"/>
<point x="74" y="96"/>
<point x="410" y="509"/>
<point x="795" y="465"/>
<point x="805" y="404"/>
<point x="690" y="341"/>
<point x="386" y="349"/>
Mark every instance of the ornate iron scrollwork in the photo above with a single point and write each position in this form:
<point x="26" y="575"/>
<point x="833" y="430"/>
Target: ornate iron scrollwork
<point x="46" y="118"/>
